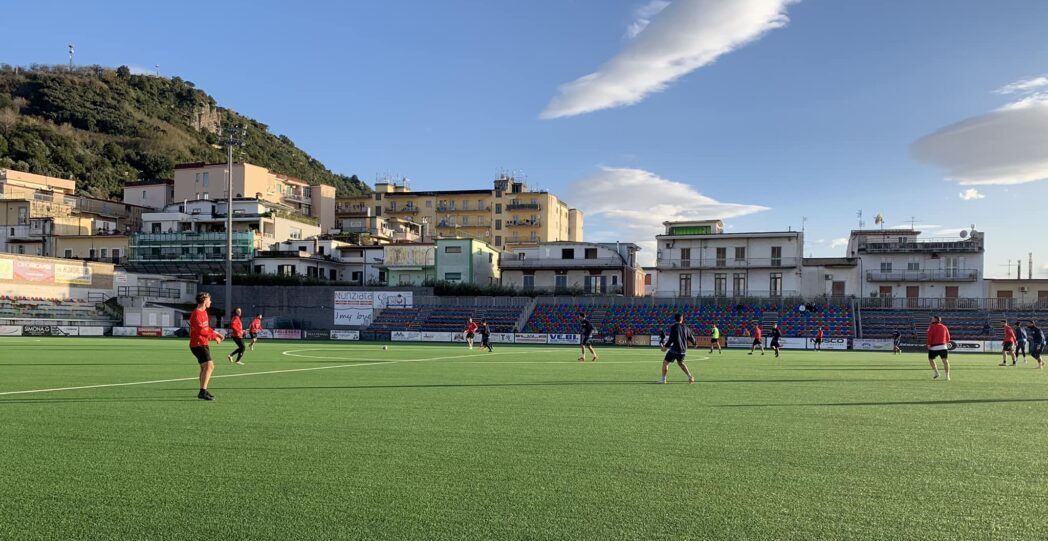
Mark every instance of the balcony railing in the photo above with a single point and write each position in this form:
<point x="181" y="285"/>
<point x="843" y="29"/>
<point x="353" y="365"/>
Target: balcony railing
<point x="716" y="264"/>
<point x="353" y="210"/>
<point x="451" y="225"/>
<point x="947" y="275"/>
<point x="550" y="263"/>
<point x="972" y="245"/>
<point x="524" y="223"/>
<point x="523" y="206"/>
<point x="402" y="210"/>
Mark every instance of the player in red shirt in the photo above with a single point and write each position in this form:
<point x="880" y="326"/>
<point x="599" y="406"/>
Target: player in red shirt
<point x="200" y="335"/>
<point x="818" y="339"/>
<point x="629" y="338"/>
<point x="255" y="330"/>
<point x="757" y="341"/>
<point x="471" y="329"/>
<point x="236" y="331"/>
<point x="938" y="346"/>
<point x="1009" y="345"/>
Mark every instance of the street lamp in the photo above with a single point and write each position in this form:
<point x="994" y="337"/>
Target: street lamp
<point x="233" y="135"/>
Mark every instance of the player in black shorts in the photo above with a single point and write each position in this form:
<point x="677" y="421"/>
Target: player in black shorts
<point x="776" y="334"/>
<point x="676" y="347"/>
<point x="896" y="343"/>
<point x="485" y="336"/>
<point x="586" y="338"/>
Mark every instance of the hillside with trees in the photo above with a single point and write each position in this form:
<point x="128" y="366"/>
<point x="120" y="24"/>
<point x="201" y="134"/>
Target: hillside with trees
<point x="104" y="127"/>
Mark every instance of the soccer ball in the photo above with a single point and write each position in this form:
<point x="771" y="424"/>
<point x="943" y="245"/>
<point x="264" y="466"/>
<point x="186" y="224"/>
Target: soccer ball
<point x="384" y="348"/>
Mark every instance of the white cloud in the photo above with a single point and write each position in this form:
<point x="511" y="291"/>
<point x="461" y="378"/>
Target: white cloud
<point x="685" y="36"/>
<point x="1005" y="146"/>
<point x="839" y="242"/>
<point x="631" y="204"/>
<point x="644" y="15"/>
<point x="971" y="194"/>
<point x="1026" y="85"/>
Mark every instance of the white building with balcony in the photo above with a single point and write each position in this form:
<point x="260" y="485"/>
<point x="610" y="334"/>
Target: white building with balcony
<point x="698" y="259"/>
<point x="899" y="263"/>
<point x="604" y="268"/>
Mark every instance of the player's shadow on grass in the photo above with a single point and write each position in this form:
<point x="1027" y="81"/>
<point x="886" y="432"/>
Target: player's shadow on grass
<point x="527" y="384"/>
<point x="899" y="403"/>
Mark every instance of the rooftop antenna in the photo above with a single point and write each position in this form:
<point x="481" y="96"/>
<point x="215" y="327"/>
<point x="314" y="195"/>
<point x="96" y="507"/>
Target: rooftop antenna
<point x="804" y="220"/>
<point x="71" y="50"/>
<point x="157" y="66"/>
<point x="913" y="222"/>
<point x="1009" y="267"/>
<point x="862" y="223"/>
<point x="1029" y="268"/>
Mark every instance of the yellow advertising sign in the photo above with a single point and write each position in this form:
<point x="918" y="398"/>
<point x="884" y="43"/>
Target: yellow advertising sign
<point x="7" y="269"/>
<point x="73" y="274"/>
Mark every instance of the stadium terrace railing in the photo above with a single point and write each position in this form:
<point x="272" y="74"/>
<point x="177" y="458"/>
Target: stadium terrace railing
<point x="789" y="298"/>
<point x="142" y="291"/>
<point x="728" y="263"/>
<point x="924" y="303"/>
<point x="471" y="301"/>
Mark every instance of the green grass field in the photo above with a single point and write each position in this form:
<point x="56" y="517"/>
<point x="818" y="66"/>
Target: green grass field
<point x="347" y="441"/>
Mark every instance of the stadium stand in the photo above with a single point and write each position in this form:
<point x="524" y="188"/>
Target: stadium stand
<point x="733" y="320"/>
<point x="51" y="309"/>
<point x="963" y="324"/>
<point x="446" y="318"/>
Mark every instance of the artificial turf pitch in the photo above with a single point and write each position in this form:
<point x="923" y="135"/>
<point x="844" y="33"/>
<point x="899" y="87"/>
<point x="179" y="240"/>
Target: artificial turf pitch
<point x="438" y="442"/>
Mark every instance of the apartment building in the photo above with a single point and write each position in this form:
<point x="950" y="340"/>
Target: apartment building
<point x="900" y="263"/>
<point x="153" y="194"/>
<point x="208" y="181"/>
<point x="36" y="210"/>
<point x="507" y="215"/>
<point x="598" y="268"/>
<point x="697" y="258"/>
<point x="190" y="237"/>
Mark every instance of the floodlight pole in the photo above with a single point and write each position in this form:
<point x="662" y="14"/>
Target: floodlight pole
<point x="229" y="231"/>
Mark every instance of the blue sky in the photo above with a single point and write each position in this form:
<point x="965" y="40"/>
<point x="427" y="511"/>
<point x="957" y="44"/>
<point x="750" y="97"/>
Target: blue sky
<point x="813" y="109"/>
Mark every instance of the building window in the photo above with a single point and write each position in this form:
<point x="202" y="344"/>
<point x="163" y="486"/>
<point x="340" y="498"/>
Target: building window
<point x="69" y="254"/>
<point x="295" y="233"/>
<point x="452" y="249"/>
<point x="498" y="225"/>
<point x="452" y="276"/>
<point x="498" y="208"/>
<point x="685" y="285"/>
<point x="116" y="254"/>
<point x="91" y="253"/>
<point x="776" y="256"/>
<point x="647" y="279"/>
<point x="567" y="253"/>
<point x="738" y="283"/>
<point x="429" y="203"/>
<point x="913" y="264"/>
<point x="465" y="220"/>
<point x="720" y="284"/>
<point x="886" y="265"/>
<point x="105" y="252"/>
<point x="529" y="282"/>
<point x="155" y="228"/>
<point x="561" y="281"/>
<point x="355" y="276"/>
<point x="498" y="240"/>
<point x="615" y="280"/>
<point x="685" y="257"/>
<point x="534" y="236"/>
<point x="775" y="284"/>
<point x="740" y="253"/>
<point x="722" y="257"/>
<point x="591" y="253"/>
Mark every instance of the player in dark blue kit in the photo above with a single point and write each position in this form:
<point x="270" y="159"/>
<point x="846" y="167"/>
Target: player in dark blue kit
<point x="1037" y="340"/>
<point x="676" y="347"/>
<point x="776" y="335"/>
<point x="1020" y="341"/>
<point x="587" y="335"/>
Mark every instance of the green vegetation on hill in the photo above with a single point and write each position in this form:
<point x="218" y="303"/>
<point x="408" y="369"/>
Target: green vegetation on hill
<point x="104" y="127"/>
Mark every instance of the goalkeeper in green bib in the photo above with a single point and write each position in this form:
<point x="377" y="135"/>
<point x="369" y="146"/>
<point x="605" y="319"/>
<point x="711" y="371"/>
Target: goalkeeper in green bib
<point x="715" y="339"/>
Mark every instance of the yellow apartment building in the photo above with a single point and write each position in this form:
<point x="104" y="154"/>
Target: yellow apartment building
<point x="507" y="215"/>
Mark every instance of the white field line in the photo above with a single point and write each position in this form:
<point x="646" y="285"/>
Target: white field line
<point x="243" y="374"/>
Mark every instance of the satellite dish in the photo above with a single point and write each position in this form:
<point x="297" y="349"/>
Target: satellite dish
<point x="964" y="233"/>
<point x="801" y="308"/>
